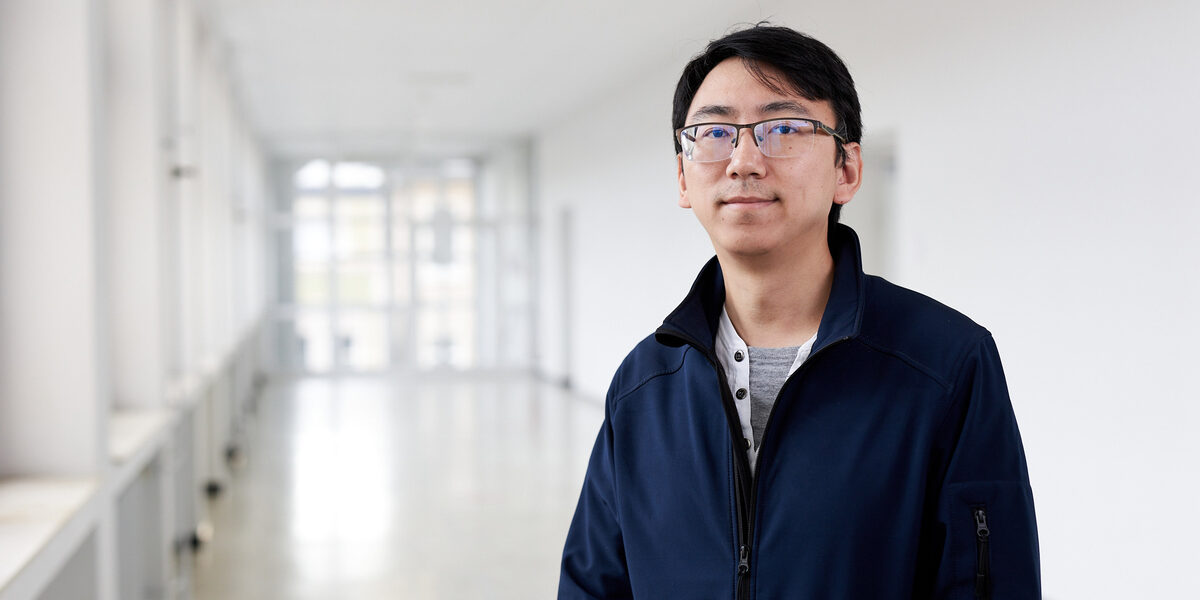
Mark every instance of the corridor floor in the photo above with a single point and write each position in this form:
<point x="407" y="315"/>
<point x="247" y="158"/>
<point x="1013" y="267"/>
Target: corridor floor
<point x="438" y="487"/>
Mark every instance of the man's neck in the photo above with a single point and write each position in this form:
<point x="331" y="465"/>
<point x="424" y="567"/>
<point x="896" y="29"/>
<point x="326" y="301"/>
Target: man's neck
<point x="775" y="301"/>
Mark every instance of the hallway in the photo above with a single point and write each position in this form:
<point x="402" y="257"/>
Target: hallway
<point x="436" y="486"/>
<point x="222" y="221"/>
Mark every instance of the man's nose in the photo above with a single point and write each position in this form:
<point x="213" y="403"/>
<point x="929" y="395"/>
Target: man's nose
<point x="747" y="160"/>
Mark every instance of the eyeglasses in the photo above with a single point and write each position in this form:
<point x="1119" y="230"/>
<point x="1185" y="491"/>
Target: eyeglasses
<point x="777" y="138"/>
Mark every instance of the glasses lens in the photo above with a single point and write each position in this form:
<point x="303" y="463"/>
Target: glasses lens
<point x="708" y="143"/>
<point x="785" y="138"/>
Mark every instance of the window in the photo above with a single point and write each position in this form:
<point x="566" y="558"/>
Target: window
<point x="378" y="267"/>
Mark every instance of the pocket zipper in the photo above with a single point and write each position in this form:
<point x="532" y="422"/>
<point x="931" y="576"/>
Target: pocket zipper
<point x="983" y="573"/>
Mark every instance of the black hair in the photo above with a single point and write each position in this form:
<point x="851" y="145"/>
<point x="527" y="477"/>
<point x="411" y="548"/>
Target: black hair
<point x="809" y="68"/>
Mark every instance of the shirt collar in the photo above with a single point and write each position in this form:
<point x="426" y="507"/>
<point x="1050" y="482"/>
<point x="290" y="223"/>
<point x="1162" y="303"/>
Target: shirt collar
<point x="728" y="341"/>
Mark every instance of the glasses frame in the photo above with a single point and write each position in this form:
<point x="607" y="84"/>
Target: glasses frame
<point x="738" y="127"/>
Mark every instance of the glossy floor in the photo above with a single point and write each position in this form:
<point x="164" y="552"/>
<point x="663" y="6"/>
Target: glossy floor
<point x="434" y="487"/>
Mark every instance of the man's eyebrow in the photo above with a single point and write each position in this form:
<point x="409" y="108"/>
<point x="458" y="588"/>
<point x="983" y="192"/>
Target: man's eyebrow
<point x="712" y="110"/>
<point x="785" y="106"/>
<point x="779" y="106"/>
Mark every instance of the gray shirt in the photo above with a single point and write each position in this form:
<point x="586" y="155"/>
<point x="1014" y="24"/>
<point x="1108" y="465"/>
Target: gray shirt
<point x="769" y="368"/>
<point x="734" y="356"/>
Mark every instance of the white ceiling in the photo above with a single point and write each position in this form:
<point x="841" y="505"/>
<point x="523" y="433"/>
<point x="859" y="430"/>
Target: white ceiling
<point x="375" y="77"/>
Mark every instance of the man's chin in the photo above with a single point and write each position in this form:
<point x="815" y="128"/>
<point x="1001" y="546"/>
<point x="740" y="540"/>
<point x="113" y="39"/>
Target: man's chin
<point x="748" y="248"/>
<point x="758" y="243"/>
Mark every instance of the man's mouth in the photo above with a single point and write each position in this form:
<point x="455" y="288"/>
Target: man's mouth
<point x="747" y="200"/>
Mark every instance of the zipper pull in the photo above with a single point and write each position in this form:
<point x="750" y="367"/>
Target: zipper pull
<point x="983" y="569"/>
<point x="981" y="526"/>
<point x="743" y="561"/>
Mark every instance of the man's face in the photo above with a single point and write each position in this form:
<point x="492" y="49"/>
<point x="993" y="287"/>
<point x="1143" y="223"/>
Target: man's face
<point x="752" y="204"/>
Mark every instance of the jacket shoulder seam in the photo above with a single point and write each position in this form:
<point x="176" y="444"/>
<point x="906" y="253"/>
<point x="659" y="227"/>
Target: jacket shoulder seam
<point x="647" y="379"/>
<point x="971" y="349"/>
<point x="920" y="367"/>
<point x="952" y="398"/>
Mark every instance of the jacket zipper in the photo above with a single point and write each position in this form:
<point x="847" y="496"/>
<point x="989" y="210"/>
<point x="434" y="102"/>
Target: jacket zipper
<point x="741" y="469"/>
<point x="746" y="493"/>
<point x="983" y="566"/>
<point x="762" y="443"/>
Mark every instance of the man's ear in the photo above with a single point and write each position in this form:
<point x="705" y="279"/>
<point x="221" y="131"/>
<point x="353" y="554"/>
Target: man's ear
<point x="849" y="174"/>
<point x="683" y="199"/>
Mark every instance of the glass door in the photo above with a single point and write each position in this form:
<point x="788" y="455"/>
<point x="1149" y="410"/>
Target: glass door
<point x="335" y="270"/>
<point x="441" y="212"/>
<point x="378" y="270"/>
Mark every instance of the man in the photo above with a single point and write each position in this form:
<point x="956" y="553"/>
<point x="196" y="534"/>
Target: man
<point x="796" y="428"/>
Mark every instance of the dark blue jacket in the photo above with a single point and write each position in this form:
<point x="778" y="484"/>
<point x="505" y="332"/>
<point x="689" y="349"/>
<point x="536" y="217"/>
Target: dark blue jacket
<point x="890" y="467"/>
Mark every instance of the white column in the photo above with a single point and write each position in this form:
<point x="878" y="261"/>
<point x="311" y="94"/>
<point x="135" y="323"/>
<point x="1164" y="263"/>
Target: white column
<point x="189" y="214"/>
<point x="53" y="402"/>
<point x="138" y="186"/>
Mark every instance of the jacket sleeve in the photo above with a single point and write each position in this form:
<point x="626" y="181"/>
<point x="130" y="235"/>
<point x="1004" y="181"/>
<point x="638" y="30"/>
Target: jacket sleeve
<point x="593" y="562"/>
<point x="984" y="513"/>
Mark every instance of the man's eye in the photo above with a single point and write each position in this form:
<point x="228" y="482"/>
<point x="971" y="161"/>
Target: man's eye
<point x="784" y="129"/>
<point x="715" y="133"/>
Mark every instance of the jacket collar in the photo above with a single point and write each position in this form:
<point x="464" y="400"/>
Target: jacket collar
<point x="694" y="321"/>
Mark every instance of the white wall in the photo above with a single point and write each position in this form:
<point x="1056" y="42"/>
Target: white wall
<point x="1042" y="153"/>
<point x="634" y="252"/>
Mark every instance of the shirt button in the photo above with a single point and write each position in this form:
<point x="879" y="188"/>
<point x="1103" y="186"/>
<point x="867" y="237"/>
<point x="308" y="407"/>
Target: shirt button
<point x="741" y="393"/>
<point x="747" y="443"/>
<point x="738" y="356"/>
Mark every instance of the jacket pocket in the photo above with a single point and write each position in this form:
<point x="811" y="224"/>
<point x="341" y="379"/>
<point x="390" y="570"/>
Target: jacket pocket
<point x="991" y="545"/>
<point x="983" y="559"/>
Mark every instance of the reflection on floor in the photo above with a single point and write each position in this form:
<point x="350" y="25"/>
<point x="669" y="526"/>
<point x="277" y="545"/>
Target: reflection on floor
<point x="439" y="487"/>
